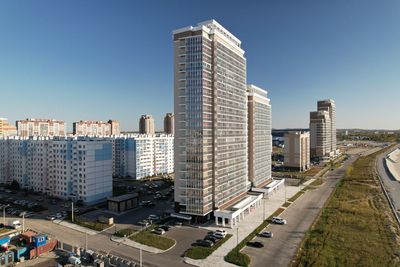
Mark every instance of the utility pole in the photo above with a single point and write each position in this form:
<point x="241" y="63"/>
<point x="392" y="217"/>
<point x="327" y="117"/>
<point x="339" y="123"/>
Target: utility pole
<point x="141" y="258"/>
<point x="23" y="222"/>
<point x="263" y="208"/>
<point x="86" y="241"/>
<point x="237" y="239"/>
<point x="72" y="211"/>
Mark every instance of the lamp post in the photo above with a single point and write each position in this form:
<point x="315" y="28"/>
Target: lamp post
<point x="72" y="211"/>
<point x="4" y="213"/>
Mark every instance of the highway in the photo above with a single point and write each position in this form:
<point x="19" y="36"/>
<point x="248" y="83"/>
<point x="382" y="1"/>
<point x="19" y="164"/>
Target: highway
<point x="280" y="250"/>
<point x="392" y="186"/>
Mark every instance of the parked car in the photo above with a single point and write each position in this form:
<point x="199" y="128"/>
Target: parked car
<point x="278" y="220"/>
<point x="222" y="232"/>
<point x="218" y="235"/>
<point x="153" y="217"/>
<point x="144" y="223"/>
<point x="255" y="244"/>
<point x="204" y="243"/>
<point x="211" y="238"/>
<point x="267" y="234"/>
<point x="159" y="231"/>
<point x="50" y="217"/>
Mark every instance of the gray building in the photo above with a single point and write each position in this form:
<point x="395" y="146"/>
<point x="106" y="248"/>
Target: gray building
<point x="146" y="124"/>
<point x="259" y="136"/>
<point x="210" y="106"/>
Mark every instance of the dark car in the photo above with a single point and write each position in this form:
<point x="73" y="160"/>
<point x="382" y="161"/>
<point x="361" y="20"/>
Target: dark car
<point x="204" y="243"/>
<point x="211" y="238"/>
<point x="255" y="244"/>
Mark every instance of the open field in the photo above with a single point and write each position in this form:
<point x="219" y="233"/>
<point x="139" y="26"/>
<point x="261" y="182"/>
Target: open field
<point x="356" y="227"/>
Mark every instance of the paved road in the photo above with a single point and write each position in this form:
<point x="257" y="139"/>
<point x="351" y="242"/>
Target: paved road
<point x="280" y="249"/>
<point x="392" y="186"/>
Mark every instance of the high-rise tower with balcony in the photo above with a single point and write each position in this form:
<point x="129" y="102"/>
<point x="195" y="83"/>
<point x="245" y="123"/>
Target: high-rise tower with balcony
<point x="210" y="106"/>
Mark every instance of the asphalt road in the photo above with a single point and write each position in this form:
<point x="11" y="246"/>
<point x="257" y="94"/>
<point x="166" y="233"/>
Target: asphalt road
<point x="279" y="250"/>
<point x="392" y="186"/>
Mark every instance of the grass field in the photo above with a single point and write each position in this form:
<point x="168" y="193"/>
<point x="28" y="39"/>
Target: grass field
<point x="146" y="237"/>
<point x="356" y="227"/>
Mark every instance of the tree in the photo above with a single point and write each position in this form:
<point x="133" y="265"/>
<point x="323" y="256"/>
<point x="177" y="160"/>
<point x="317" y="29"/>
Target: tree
<point x="14" y="185"/>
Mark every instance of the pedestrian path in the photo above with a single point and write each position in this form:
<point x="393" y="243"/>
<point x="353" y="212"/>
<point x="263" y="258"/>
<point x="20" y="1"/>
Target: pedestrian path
<point x="79" y="228"/>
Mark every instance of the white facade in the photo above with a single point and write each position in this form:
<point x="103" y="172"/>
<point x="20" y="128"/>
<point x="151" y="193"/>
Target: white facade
<point x="142" y="156"/>
<point x="297" y="150"/>
<point x="68" y="168"/>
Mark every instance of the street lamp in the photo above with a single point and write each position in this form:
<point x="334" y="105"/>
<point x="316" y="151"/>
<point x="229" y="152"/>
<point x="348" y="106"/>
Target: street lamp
<point x="4" y="213"/>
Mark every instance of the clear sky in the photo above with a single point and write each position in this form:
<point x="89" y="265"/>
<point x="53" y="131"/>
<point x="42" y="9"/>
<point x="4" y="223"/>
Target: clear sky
<point x="99" y="60"/>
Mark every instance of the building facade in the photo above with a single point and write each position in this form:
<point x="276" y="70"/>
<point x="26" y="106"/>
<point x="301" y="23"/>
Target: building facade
<point x="259" y="134"/>
<point x="146" y="124"/>
<point x="297" y="150"/>
<point x="210" y="106"/>
<point x="329" y="105"/>
<point x="323" y="130"/>
<point x="6" y="129"/>
<point x="41" y="127"/>
<point x="96" y="128"/>
<point x="67" y="168"/>
<point x="169" y="123"/>
<point x="320" y="134"/>
<point x="141" y="156"/>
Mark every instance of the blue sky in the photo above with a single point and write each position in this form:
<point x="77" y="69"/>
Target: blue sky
<point x="97" y="60"/>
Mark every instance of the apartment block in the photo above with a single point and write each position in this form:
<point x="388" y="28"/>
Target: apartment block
<point x="77" y="168"/>
<point x="323" y="130"/>
<point x="320" y="134"/>
<point x="6" y="129"/>
<point x="329" y="106"/>
<point x="140" y="156"/>
<point x="169" y="123"/>
<point x="146" y="124"/>
<point x="96" y="128"/>
<point x="297" y="150"/>
<point x="41" y="127"/>
<point x="259" y="136"/>
<point x="210" y="107"/>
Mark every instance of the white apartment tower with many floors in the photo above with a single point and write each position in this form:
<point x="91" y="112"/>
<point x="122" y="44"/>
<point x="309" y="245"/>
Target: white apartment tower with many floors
<point x="211" y="120"/>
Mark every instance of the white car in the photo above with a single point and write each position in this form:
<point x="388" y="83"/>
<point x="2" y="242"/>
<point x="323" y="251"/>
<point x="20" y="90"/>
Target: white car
<point x="278" y="220"/>
<point x="218" y="235"/>
<point x="222" y="232"/>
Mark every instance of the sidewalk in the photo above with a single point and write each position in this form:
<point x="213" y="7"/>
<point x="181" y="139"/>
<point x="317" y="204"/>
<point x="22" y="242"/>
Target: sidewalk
<point x="246" y="226"/>
<point x="78" y="228"/>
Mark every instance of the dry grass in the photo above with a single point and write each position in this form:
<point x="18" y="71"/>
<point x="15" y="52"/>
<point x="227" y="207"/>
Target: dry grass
<point x="356" y="228"/>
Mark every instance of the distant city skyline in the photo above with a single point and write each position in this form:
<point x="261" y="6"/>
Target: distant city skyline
<point x="87" y="60"/>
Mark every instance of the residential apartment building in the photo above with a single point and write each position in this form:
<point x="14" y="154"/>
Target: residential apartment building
<point x="297" y="150"/>
<point x="77" y="168"/>
<point x="320" y="134"/>
<point x="146" y="124"/>
<point x="259" y="136"/>
<point x="41" y="127"/>
<point x="141" y="156"/>
<point x="6" y="129"/>
<point x="169" y="123"/>
<point x="323" y="130"/>
<point x="96" y="128"/>
<point x="329" y="105"/>
<point x="210" y="107"/>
